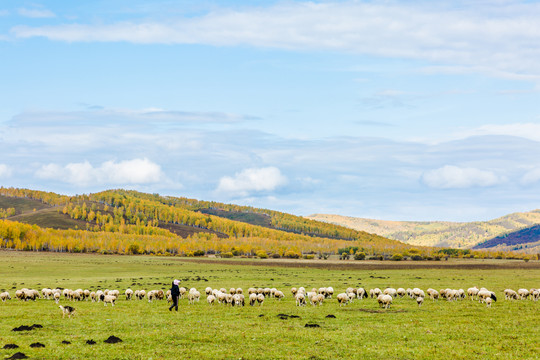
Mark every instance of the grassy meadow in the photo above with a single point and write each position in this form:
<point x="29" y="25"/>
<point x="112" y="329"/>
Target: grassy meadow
<point x="440" y="329"/>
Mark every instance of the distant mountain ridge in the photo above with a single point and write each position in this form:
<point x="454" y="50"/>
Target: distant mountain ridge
<point x="464" y="235"/>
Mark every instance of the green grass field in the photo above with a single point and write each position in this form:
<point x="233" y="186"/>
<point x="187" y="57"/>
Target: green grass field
<point x="451" y="330"/>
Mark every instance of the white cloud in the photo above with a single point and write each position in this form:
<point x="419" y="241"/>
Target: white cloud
<point x="136" y="171"/>
<point x="36" y="13"/>
<point x="501" y="40"/>
<point x="529" y="131"/>
<point x="5" y="171"/>
<point x="252" y="180"/>
<point x="453" y="177"/>
<point x="531" y="177"/>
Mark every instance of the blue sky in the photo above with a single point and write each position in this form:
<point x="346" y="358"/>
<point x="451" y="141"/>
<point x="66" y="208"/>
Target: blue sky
<point x="383" y="109"/>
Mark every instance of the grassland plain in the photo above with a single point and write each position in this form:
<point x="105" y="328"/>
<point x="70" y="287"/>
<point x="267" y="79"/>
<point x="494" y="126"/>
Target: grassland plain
<point x="440" y="329"/>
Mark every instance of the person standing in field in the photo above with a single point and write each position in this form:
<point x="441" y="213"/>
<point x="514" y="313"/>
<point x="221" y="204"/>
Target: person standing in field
<point x="175" y="293"/>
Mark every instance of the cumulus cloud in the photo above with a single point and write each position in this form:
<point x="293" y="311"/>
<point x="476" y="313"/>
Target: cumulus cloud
<point x="36" y="13"/>
<point x="501" y="40"/>
<point x="453" y="177"/>
<point x="128" y="172"/>
<point x="5" y="171"/>
<point x="252" y="180"/>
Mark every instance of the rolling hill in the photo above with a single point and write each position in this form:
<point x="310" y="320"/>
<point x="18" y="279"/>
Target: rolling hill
<point x="448" y="234"/>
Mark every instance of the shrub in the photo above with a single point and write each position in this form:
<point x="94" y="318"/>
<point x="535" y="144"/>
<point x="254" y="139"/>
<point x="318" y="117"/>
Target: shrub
<point x="396" y="257"/>
<point x="309" y="256"/>
<point x="360" y="256"/>
<point x="227" y="255"/>
<point x="198" y="253"/>
<point x="261" y="254"/>
<point x="275" y="256"/>
<point x="291" y="254"/>
<point x="417" y="257"/>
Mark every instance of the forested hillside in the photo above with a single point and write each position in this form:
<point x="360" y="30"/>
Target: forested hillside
<point x="445" y="234"/>
<point x="130" y="222"/>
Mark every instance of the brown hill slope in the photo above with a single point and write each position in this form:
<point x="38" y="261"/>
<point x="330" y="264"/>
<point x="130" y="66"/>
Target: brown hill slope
<point x="449" y="234"/>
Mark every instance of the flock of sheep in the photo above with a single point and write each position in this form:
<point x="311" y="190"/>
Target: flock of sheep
<point x="235" y="296"/>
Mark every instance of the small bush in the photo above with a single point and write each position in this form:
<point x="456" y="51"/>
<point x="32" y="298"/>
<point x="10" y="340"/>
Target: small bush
<point x="417" y="257"/>
<point x="227" y="255"/>
<point x="275" y="256"/>
<point x="198" y="253"/>
<point x="309" y="256"/>
<point x="291" y="255"/>
<point x="261" y="254"/>
<point x="360" y="256"/>
<point x="396" y="257"/>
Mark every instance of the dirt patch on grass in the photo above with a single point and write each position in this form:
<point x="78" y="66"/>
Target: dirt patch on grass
<point x="372" y="311"/>
<point x="373" y="265"/>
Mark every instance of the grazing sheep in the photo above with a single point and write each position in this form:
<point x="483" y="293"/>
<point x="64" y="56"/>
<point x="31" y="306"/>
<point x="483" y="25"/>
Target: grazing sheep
<point x="300" y="299"/>
<point x="56" y="297"/>
<point x="384" y="301"/>
<point x="129" y="294"/>
<point x="98" y="295"/>
<point x="322" y="291"/>
<point x="252" y="291"/>
<point x="273" y="292"/>
<point x="535" y="293"/>
<point x="211" y="299"/>
<point x="433" y="294"/>
<point x="361" y="293"/>
<point x="279" y="295"/>
<point x="472" y="292"/>
<point x="208" y="291"/>
<point x="488" y="301"/>
<point x="86" y="294"/>
<point x="266" y="291"/>
<point x="232" y="291"/>
<point x="260" y="299"/>
<point x="523" y="293"/>
<point x="229" y="299"/>
<point x="294" y="291"/>
<point x="5" y="296"/>
<point x="108" y="299"/>
<point x="418" y="292"/>
<point x="483" y="294"/>
<point x="510" y="294"/>
<point x="329" y="292"/>
<point x="221" y="297"/>
<point x="401" y="292"/>
<point x="67" y="310"/>
<point x="142" y="294"/>
<point x="183" y="292"/>
<point x="238" y="300"/>
<point x="239" y="291"/>
<point x="374" y="293"/>
<point x="419" y="301"/>
<point x="390" y="291"/>
<point x="317" y="299"/>
<point x="151" y="295"/>
<point x="252" y="299"/>
<point x="193" y="296"/>
<point x="342" y="299"/>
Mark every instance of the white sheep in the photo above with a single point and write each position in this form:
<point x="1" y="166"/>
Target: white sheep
<point x="419" y="301"/>
<point x="390" y="291"/>
<point x="239" y="291"/>
<point x="211" y="299"/>
<point x="108" y="299"/>
<point x="523" y="293"/>
<point x="183" y="292"/>
<point x="342" y="299"/>
<point x="361" y="293"/>
<point x="5" y="296"/>
<point x="208" y="291"/>
<point x="252" y="299"/>
<point x="510" y="294"/>
<point x="329" y="292"/>
<point x="483" y="294"/>
<point x="260" y="299"/>
<point x="317" y="299"/>
<point x="56" y="296"/>
<point x="374" y="293"/>
<point x="300" y="299"/>
<point x="193" y="296"/>
<point x="401" y="292"/>
<point x="384" y="301"/>
<point x="488" y="301"/>
<point x="472" y="292"/>
<point x="433" y="294"/>
<point x="279" y="295"/>
<point x="129" y="294"/>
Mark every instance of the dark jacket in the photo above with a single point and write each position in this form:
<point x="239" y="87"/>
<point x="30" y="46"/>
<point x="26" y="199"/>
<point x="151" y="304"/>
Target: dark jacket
<point x="175" y="290"/>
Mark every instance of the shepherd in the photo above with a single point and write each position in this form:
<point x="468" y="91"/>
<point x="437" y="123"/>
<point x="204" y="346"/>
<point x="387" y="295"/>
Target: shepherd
<point x="175" y="293"/>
